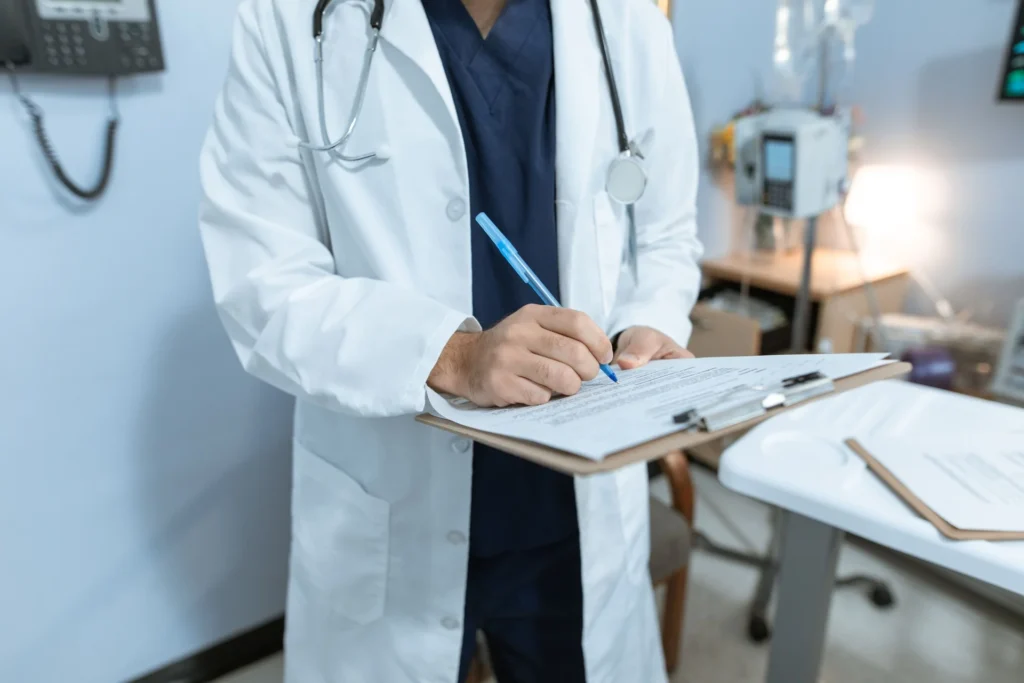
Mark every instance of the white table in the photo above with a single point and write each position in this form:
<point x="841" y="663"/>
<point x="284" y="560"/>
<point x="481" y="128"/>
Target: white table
<point x="797" y="463"/>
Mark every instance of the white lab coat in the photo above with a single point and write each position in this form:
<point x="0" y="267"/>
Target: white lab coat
<point x="380" y="507"/>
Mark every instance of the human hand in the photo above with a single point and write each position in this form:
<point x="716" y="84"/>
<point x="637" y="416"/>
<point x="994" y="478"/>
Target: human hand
<point x="639" y="345"/>
<point x="530" y="355"/>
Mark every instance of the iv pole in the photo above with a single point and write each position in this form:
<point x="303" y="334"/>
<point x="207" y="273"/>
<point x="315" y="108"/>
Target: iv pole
<point x="802" y="313"/>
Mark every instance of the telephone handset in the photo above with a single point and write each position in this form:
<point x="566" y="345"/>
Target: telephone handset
<point x="79" y="38"/>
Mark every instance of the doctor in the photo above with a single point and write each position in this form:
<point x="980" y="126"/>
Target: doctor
<point x="354" y="279"/>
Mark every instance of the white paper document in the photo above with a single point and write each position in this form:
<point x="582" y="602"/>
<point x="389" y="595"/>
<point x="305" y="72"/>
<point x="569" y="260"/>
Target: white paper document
<point x="604" y="417"/>
<point x="974" y="482"/>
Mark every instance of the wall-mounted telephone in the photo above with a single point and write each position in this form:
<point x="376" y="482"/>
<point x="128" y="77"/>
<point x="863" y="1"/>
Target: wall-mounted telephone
<point x="78" y="38"/>
<point x="88" y="37"/>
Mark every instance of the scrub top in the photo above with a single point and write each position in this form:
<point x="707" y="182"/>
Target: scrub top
<point x="503" y="88"/>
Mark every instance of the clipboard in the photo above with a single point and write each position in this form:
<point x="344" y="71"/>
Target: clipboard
<point x="570" y="463"/>
<point x="919" y="506"/>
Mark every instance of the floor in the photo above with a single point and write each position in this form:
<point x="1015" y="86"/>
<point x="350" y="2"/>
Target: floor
<point x="936" y="633"/>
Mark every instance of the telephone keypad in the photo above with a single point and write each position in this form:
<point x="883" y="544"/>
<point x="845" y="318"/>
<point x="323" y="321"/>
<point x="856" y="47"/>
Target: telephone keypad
<point x="116" y="47"/>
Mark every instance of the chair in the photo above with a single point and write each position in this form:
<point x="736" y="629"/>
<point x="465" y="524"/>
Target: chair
<point x="671" y="541"/>
<point x="671" y="534"/>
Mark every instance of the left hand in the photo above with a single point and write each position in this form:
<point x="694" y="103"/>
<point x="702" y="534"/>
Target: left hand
<point x="639" y="345"/>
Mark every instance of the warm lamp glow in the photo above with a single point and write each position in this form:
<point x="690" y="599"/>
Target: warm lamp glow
<point x="897" y="209"/>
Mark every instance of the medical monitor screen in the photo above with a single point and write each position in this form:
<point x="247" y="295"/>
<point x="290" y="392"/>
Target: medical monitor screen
<point x="1011" y="88"/>
<point x="778" y="160"/>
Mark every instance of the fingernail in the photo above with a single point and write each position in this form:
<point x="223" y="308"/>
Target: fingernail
<point x="628" y="357"/>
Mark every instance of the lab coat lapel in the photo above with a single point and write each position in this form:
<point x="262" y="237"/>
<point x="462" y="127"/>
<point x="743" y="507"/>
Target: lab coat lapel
<point x="577" y="102"/>
<point x="406" y="28"/>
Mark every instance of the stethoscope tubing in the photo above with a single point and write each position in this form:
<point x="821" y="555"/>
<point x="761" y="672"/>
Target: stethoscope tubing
<point x="626" y="149"/>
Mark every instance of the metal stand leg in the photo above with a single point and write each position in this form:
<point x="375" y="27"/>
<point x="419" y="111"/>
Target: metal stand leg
<point x="802" y="314"/>
<point x="757" y="625"/>
<point x="707" y="545"/>
<point x="758" y="628"/>
<point x="807" y="567"/>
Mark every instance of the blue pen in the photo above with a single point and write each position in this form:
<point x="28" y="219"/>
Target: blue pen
<point x="528" y="276"/>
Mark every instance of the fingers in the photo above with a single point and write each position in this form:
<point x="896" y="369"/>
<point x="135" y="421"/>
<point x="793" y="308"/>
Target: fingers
<point x="673" y="352"/>
<point x="575" y="325"/>
<point x="638" y="349"/>
<point x="557" y="377"/>
<point x="631" y="361"/>
<point x="521" y="391"/>
<point x="567" y="351"/>
<point x="640" y="345"/>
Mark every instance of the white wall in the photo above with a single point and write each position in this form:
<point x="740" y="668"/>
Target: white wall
<point x="926" y="77"/>
<point x="143" y="477"/>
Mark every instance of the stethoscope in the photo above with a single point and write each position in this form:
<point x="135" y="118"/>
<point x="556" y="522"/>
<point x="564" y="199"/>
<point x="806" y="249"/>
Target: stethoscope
<point x="627" y="177"/>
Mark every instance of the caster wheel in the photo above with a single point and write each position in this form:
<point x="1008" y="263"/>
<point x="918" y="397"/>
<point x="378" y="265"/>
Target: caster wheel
<point x="882" y="597"/>
<point x="757" y="629"/>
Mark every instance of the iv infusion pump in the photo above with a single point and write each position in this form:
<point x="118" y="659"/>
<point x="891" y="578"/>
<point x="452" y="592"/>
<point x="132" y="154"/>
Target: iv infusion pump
<point x="81" y="37"/>
<point x="791" y="162"/>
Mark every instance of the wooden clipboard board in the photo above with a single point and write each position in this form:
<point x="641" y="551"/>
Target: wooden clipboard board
<point x="918" y="505"/>
<point x="570" y="463"/>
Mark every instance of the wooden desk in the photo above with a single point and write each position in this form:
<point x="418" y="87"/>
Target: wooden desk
<point x="837" y="286"/>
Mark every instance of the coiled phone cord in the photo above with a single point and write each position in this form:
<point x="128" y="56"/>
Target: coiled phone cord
<point x="36" y="113"/>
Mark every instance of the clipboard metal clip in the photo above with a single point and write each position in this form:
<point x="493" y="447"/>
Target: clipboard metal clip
<point x="746" y="403"/>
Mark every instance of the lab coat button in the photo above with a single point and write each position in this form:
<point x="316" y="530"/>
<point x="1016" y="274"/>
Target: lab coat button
<point x="456" y="209"/>
<point x="456" y="537"/>
<point x="450" y="623"/>
<point x="460" y="445"/>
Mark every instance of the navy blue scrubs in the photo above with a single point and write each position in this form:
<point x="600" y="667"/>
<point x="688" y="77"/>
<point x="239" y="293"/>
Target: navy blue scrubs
<point x="523" y="588"/>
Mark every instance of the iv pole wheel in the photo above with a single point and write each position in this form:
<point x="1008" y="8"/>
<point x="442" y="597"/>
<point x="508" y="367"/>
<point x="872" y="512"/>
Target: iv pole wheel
<point x="758" y="629"/>
<point x="882" y="597"/>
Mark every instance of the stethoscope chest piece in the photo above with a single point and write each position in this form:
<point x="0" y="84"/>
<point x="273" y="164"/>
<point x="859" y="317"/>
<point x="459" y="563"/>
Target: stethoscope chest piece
<point x="627" y="179"/>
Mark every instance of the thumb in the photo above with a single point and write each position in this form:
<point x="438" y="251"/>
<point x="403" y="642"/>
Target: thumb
<point x="638" y="351"/>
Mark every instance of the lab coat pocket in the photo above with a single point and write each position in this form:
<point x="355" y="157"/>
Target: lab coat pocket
<point x="608" y="224"/>
<point x="340" y="540"/>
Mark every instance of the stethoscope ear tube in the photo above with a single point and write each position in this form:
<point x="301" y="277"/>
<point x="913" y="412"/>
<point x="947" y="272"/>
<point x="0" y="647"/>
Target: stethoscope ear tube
<point x="376" y="16"/>
<point x="318" y="18"/>
<point x="620" y="123"/>
<point x="627" y="178"/>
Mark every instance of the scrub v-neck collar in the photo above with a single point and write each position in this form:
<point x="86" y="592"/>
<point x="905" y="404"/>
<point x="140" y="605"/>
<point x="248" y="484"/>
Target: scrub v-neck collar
<point x="501" y="55"/>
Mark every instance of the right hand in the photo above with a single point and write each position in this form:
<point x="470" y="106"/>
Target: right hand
<point x="534" y="353"/>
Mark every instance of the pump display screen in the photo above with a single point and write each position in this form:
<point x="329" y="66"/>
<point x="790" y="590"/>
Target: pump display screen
<point x="1012" y="84"/>
<point x="778" y="165"/>
<point x="778" y="160"/>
